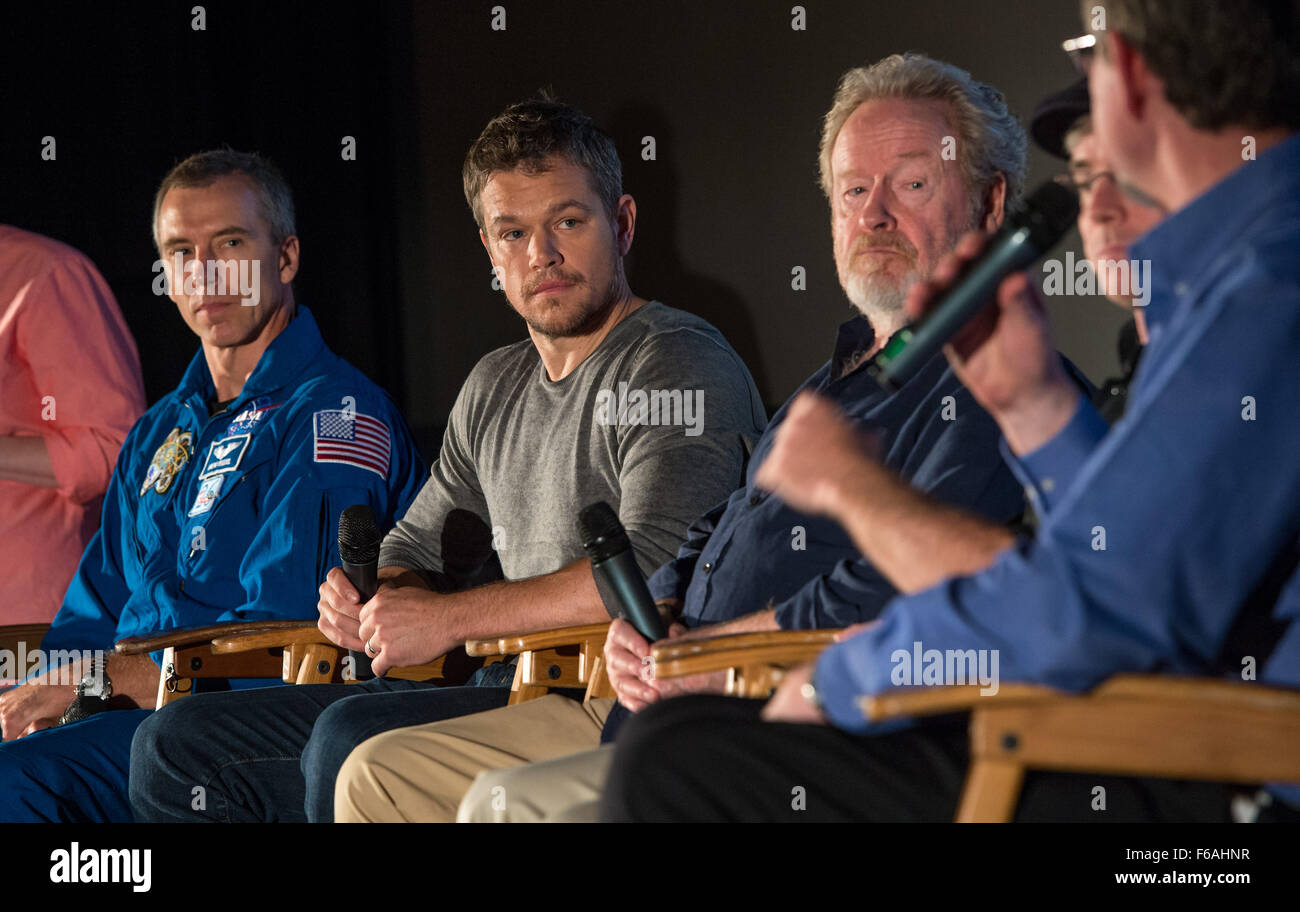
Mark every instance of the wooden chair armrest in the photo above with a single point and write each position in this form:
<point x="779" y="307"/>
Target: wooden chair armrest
<point x="454" y="666"/>
<point x="1170" y="690"/>
<point x="1151" y="725"/>
<point x="723" y="659"/>
<point x="1159" y="726"/>
<point x="671" y="650"/>
<point x="544" y="639"/>
<point x="268" y="639"/>
<point x="192" y="636"/>
<point x="902" y="702"/>
<point x="1197" y="691"/>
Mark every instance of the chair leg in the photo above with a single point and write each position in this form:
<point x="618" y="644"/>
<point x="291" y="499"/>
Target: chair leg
<point x="991" y="791"/>
<point x="598" y="685"/>
<point x="310" y="664"/>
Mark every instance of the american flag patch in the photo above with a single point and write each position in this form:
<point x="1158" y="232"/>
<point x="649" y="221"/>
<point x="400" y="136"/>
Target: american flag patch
<point x="352" y="438"/>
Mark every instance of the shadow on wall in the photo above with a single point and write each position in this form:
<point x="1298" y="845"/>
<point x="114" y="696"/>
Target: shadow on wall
<point x="655" y="267"/>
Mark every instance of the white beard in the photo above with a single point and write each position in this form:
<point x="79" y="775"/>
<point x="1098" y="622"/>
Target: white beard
<point x="879" y="297"/>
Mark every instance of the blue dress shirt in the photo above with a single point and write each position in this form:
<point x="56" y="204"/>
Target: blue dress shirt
<point x="1170" y="543"/>
<point x="752" y="551"/>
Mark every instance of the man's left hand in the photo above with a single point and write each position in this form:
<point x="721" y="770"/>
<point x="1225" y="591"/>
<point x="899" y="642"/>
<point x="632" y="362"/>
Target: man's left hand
<point x="401" y="626"/>
<point x="705" y="682"/>
<point x="789" y="704"/>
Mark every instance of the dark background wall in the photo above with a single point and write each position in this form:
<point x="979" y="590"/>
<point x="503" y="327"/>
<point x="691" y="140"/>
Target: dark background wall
<point x="392" y="265"/>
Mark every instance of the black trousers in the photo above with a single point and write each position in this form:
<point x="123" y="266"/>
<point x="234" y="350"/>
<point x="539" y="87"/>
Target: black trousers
<point x="707" y="758"/>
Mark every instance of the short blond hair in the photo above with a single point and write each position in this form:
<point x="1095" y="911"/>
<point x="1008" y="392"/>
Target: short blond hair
<point x="1078" y="130"/>
<point x="990" y="141"/>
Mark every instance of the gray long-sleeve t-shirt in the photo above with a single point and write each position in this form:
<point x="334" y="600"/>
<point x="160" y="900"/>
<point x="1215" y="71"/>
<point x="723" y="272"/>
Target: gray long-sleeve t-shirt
<point x="658" y="422"/>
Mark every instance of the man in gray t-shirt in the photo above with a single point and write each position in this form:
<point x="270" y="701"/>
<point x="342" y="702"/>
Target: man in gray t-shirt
<point x="612" y="398"/>
<point x="656" y="421"/>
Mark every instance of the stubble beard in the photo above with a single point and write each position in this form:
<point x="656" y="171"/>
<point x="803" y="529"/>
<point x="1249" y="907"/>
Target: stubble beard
<point x="588" y="316"/>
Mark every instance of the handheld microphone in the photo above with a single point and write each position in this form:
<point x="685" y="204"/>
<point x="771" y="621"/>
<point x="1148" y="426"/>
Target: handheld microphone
<point x="1028" y="234"/>
<point x="359" y="540"/>
<point x="618" y="578"/>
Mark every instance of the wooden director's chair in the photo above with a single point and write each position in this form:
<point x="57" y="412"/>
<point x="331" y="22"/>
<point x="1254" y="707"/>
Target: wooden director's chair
<point x="297" y="653"/>
<point x="754" y="662"/>
<point x="574" y="656"/>
<point x="549" y="659"/>
<point x="1161" y="726"/>
<point x="191" y="653"/>
<point x="570" y="657"/>
<point x="567" y="657"/>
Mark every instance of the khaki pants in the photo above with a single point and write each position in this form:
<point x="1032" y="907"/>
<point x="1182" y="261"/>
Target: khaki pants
<point x="421" y="773"/>
<point x="563" y="790"/>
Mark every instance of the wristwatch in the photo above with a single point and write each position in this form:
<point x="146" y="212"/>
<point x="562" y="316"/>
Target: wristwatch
<point x="93" y="693"/>
<point x="808" y="690"/>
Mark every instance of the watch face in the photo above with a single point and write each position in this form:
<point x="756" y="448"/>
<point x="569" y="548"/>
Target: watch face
<point x="94" y="685"/>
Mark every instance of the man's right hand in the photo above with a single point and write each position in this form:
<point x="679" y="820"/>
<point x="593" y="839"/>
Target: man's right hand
<point x="340" y="611"/>
<point x="818" y="454"/>
<point x="626" y="655"/>
<point x="32" y="706"/>
<point x="1005" y="355"/>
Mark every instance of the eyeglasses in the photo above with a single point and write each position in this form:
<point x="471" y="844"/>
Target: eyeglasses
<point x="1083" y="184"/>
<point x="1080" y="51"/>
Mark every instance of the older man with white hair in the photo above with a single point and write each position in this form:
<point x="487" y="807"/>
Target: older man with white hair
<point x="1195" y="489"/>
<point x="914" y="153"/>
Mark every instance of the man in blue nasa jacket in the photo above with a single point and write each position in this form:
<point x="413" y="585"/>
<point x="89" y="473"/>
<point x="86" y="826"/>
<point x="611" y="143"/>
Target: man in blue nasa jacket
<point x="225" y="499"/>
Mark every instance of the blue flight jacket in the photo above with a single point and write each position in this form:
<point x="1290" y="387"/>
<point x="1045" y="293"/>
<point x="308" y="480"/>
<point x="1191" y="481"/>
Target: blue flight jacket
<point x="234" y="517"/>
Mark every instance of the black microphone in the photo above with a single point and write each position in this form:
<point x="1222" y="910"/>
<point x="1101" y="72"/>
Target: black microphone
<point x="359" y="540"/>
<point x="618" y="578"/>
<point x="1028" y="234"/>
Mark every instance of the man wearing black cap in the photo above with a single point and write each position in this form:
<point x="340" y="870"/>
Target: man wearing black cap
<point x="1195" y="105"/>
<point x="1109" y="222"/>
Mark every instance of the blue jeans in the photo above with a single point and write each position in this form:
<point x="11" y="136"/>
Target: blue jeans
<point x="272" y="755"/>
<point x="70" y="774"/>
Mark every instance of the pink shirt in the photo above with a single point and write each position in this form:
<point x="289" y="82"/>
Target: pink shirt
<point x="61" y="336"/>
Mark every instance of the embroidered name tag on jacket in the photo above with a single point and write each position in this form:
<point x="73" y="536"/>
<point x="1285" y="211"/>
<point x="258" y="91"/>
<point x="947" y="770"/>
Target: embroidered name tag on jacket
<point x="167" y="461"/>
<point x="351" y="438"/>
<point x="224" y="455"/>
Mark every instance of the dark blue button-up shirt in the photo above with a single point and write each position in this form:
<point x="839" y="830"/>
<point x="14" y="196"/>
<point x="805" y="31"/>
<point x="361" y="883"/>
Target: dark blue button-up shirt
<point x="1169" y="543"/>
<point x="753" y="551"/>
